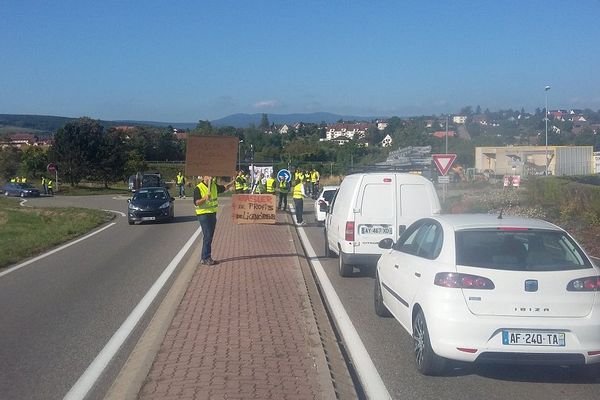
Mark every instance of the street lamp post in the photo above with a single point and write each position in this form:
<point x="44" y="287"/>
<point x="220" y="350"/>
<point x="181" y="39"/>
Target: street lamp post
<point x="239" y="154"/>
<point x="546" y="120"/>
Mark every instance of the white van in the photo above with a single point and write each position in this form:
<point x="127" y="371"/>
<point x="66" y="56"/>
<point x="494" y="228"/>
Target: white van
<point x="372" y="206"/>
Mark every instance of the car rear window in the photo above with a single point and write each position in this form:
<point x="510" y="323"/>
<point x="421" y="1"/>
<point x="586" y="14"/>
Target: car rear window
<point x="328" y="195"/>
<point x="519" y="250"/>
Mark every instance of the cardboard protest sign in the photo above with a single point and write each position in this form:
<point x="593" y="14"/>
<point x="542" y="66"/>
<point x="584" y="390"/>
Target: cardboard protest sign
<point x="254" y="209"/>
<point x="211" y="155"/>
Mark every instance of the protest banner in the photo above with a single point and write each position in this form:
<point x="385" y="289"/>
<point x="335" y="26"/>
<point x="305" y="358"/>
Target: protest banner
<point x="254" y="209"/>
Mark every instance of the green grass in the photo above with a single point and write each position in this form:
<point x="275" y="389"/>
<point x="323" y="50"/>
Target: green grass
<point x="27" y="231"/>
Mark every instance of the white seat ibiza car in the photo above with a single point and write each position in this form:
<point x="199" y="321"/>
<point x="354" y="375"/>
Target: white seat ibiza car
<point x="482" y="288"/>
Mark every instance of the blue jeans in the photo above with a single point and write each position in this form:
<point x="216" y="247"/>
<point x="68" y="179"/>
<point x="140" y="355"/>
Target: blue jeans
<point x="181" y="190"/>
<point x="208" y="223"/>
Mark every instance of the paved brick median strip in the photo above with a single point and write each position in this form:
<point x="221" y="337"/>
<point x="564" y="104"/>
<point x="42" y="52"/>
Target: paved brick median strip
<point x="243" y="328"/>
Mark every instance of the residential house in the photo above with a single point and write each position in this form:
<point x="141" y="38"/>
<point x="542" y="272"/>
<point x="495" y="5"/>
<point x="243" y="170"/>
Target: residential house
<point x="356" y="130"/>
<point x="459" y="119"/>
<point x="284" y="129"/>
<point x="387" y="141"/>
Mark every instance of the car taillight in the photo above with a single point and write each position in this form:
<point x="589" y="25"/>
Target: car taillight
<point x="462" y="281"/>
<point x="588" y="284"/>
<point x="349" y="232"/>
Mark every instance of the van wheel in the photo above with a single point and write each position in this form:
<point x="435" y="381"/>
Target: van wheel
<point x="427" y="362"/>
<point x="328" y="252"/>
<point x="380" y="308"/>
<point x="344" y="269"/>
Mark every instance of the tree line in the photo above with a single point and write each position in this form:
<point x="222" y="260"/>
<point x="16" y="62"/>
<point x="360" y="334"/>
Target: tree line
<point x="84" y="149"/>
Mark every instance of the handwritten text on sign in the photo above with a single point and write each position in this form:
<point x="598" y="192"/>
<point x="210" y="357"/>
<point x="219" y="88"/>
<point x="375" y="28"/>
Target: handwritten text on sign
<point x="254" y="209"/>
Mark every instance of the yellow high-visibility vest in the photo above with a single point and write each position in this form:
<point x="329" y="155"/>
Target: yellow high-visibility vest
<point x="212" y="204"/>
<point x="270" y="185"/>
<point x="298" y="191"/>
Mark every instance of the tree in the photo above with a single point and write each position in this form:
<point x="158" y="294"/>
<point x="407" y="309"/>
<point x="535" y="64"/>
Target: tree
<point x="76" y="147"/>
<point x="10" y="158"/>
<point x="264" y="123"/>
<point x="112" y="158"/>
<point x="204" y="128"/>
<point x="34" y="161"/>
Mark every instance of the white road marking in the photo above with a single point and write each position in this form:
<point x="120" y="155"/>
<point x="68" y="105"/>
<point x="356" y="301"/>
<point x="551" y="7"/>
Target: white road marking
<point x="86" y="381"/>
<point x="367" y="373"/>
<point x="122" y="214"/>
<point x="23" y="264"/>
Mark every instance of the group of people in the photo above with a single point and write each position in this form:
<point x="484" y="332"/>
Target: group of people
<point x="17" y="179"/>
<point x="310" y="179"/>
<point x="47" y="185"/>
<point x="303" y="184"/>
<point x="280" y="186"/>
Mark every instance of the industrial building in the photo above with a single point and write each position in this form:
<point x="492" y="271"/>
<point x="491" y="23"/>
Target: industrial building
<point x="530" y="160"/>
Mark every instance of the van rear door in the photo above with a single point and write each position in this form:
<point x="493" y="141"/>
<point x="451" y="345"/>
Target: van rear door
<point x="416" y="200"/>
<point x="375" y="214"/>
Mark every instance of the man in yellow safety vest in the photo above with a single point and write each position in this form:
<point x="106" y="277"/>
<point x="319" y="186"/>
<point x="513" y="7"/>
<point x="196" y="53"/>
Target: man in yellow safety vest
<point x="207" y="204"/>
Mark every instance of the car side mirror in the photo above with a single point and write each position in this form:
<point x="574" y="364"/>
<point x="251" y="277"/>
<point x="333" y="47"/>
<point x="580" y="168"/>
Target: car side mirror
<point x="129" y="200"/>
<point x="386" y="243"/>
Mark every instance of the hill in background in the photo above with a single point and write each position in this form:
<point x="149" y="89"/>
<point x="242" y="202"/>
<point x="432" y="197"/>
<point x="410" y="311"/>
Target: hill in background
<point x="46" y="124"/>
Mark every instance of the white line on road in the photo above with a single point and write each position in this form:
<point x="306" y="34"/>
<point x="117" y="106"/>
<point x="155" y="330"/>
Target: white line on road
<point x="367" y="373"/>
<point x="122" y="214"/>
<point x="86" y="381"/>
<point x="23" y="264"/>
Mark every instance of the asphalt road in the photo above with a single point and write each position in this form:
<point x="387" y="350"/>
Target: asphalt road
<point x="390" y="348"/>
<point x="58" y="313"/>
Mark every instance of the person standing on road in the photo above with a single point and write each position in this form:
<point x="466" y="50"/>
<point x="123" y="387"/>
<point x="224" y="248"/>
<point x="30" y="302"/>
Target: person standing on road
<point x="270" y="184"/>
<point x="240" y="182"/>
<point x="50" y="187"/>
<point x="299" y="194"/>
<point x="44" y="185"/>
<point x="284" y="189"/>
<point x="206" y="202"/>
<point x="181" y="184"/>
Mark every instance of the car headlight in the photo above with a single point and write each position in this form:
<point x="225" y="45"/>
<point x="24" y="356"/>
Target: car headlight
<point x="134" y="207"/>
<point x="165" y="205"/>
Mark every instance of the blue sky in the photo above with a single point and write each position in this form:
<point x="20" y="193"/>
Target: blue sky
<point x="183" y="61"/>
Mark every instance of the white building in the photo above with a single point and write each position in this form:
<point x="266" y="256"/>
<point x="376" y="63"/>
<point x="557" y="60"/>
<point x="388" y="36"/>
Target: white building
<point x="459" y="119"/>
<point x="351" y="130"/>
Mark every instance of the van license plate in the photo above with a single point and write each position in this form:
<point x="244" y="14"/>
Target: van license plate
<point x="533" y="338"/>
<point x="375" y="229"/>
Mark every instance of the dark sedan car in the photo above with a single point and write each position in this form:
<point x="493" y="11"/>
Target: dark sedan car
<point x="151" y="204"/>
<point x="20" y="189"/>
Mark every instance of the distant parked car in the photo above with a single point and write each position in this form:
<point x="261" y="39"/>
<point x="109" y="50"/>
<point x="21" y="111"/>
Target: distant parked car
<point x="479" y="288"/>
<point x="151" y="204"/>
<point x="323" y="200"/>
<point x="20" y="189"/>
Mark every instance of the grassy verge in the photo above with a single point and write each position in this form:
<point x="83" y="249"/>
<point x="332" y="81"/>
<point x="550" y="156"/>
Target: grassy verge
<point x="28" y="231"/>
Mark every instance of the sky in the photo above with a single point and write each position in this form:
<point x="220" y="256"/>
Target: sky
<point x="184" y="61"/>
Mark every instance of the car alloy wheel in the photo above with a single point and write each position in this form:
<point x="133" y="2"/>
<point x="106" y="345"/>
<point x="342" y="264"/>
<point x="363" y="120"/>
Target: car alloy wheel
<point x="428" y="363"/>
<point x="380" y="308"/>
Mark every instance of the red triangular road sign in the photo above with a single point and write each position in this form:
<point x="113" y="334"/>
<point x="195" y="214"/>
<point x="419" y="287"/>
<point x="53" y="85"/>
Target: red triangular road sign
<point x="443" y="162"/>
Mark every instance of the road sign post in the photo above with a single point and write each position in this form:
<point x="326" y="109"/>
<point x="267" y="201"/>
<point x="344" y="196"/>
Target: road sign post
<point x="443" y="162"/>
